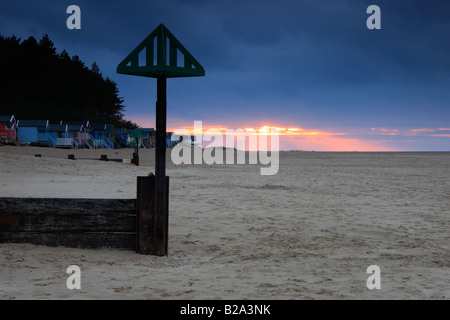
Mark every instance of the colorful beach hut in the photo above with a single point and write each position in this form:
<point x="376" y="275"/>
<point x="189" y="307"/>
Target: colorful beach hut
<point x="102" y="135"/>
<point x="32" y="131"/>
<point x="8" y="128"/>
<point x="148" y="137"/>
<point x="79" y="132"/>
<point x="58" y="135"/>
<point x="121" y="137"/>
<point x="169" y="142"/>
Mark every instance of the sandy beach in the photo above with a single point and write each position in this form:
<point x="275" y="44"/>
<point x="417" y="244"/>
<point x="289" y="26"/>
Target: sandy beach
<point x="308" y="232"/>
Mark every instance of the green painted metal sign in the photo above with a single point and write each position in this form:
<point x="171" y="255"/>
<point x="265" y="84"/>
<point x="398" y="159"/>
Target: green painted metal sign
<point x="137" y="134"/>
<point x="161" y="58"/>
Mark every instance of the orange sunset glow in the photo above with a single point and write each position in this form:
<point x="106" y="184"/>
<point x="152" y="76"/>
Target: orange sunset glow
<point x="292" y="138"/>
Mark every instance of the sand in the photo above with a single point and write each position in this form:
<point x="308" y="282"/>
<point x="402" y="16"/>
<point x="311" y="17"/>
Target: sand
<point x="309" y="232"/>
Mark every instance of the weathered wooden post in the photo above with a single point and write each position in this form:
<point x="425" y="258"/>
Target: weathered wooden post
<point x="136" y="135"/>
<point x="162" y="213"/>
<point x="153" y="219"/>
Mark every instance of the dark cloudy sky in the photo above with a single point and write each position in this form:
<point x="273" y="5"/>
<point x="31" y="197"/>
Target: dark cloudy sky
<point x="309" y="65"/>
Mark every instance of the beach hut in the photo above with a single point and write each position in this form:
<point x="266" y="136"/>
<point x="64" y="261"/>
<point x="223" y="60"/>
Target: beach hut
<point x="148" y="132"/>
<point x="169" y="142"/>
<point x="32" y="131"/>
<point x="121" y="137"/>
<point x="58" y="135"/>
<point x="102" y="135"/>
<point x="85" y="124"/>
<point x="8" y="129"/>
<point x="99" y="131"/>
<point x="79" y="132"/>
<point x="148" y="139"/>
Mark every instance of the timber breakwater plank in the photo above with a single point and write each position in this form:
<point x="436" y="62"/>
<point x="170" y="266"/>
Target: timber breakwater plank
<point x="80" y="223"/>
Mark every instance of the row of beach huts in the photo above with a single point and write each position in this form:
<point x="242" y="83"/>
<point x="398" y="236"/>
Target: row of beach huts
<point x="74" y="134"/>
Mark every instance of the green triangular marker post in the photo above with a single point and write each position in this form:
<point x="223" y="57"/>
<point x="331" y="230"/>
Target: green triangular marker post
<point x="161" y="62"/>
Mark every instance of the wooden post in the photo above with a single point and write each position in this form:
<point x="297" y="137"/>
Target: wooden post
<point x="135" y="159"/>
<point x="145" y="215"/>
<point x="161" y="194"/>
<point x="136" y="154"/>
<point x="147" y="239"/>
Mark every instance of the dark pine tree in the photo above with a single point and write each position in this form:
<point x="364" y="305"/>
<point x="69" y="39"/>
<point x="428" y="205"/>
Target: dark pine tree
<point x="38" y="83"/>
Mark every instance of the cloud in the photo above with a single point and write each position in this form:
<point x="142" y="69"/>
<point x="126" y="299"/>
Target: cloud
<point x="441" y="135"/>
<point x="423" y="130"/>
<point x="384" y="131"/>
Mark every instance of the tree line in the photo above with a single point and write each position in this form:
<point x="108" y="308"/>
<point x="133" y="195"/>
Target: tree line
<point x="38" y="83"/>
